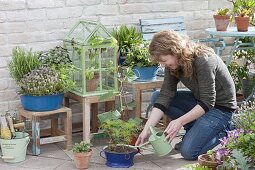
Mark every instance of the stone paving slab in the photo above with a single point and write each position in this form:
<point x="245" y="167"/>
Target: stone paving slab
<point x="54" y="157"/>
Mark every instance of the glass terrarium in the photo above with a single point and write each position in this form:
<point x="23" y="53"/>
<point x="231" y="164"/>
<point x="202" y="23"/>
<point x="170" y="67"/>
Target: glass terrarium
<point x="93" y="53"/>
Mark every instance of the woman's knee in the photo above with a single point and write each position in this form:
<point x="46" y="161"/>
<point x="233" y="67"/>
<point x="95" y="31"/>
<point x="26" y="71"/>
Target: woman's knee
<point x="188" y="153"/>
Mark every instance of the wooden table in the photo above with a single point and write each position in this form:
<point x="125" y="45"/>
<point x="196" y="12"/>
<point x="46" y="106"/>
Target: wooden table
<point x="89" y="107"/>
<point x="137" y="88"/>
<point x="57" y="135"/>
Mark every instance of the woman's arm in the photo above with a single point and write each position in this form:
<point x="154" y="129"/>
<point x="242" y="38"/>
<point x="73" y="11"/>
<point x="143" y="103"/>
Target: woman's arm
<point x="175" y="125"/>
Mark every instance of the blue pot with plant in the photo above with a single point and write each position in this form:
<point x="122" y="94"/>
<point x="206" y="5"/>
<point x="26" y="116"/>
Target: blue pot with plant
<point x="138" y="59"/>
<point x="42" y="78"/>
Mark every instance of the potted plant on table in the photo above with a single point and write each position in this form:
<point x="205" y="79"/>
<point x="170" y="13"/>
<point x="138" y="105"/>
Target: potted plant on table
<point x="244" y="13"/>
<point x="126" y="38"/>
<point x="221" y="18"/>
<point x="82" y="154"/>
<point x="42" y="78"/>
<point x="138" y="59"/>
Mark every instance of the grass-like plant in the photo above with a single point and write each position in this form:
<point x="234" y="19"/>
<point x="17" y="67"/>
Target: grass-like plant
<point x="22" y="63"/>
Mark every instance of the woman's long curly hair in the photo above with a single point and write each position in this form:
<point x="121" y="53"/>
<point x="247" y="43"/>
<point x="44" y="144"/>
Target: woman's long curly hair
<point x="172" y="43"/>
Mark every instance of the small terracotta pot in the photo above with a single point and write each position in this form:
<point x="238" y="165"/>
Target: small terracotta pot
<point x="242" y="23"/>
<point x="204" y="161"/>
<point x="221" y="22"/>
<point x="82" y="160"/>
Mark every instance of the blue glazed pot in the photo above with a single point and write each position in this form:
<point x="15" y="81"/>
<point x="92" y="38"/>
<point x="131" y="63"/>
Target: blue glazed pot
<point x="119" y="160"/>
<point x="42" y="103"/>
<point x="145" y="73"/>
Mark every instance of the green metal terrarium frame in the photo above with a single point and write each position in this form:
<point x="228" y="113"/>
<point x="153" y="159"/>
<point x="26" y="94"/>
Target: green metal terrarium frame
<point x="93" y="52"/>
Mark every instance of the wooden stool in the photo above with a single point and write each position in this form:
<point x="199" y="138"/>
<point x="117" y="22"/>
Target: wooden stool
<point x="89" y="107"/>
<point x="57" y="135"/>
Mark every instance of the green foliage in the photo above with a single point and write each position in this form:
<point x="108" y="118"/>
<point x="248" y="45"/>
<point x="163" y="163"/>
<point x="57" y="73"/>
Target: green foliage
<point x="56" y="57"/>
<point x="126" y="38"/>
<point x="96" y="41"/>
<point x="139" y="56"/>
<point x="81" y="147"/>
<point x="245" y="118"/>
<point x="44" y="81"/>
<point x="222" y="11"/>
<point x="240" y="71"/>
<point x="121" y="132"/>
<point x="243" y="7"/>
<point x="241" y="160"/>
<point x="197" y="167"/>
<point x="22" y="63"/>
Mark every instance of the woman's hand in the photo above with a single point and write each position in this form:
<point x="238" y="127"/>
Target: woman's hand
<point x="143" y="137"/>
<point x="172" y="129"/>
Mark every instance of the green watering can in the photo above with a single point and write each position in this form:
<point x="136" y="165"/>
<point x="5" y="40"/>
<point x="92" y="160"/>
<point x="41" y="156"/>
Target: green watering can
<point x="158" y="142"/>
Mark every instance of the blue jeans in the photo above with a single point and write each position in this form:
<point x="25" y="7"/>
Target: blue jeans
<point x="203" y="133"/>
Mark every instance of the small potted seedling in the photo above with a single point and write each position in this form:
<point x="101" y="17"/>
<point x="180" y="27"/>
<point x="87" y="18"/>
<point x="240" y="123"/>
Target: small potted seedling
<point x="82" y="154"/>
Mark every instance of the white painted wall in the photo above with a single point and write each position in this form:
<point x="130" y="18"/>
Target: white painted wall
<point x="42" y="24"/>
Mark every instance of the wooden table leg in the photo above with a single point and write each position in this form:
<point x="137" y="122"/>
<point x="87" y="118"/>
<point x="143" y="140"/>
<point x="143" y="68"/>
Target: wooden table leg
<point x="66" y="101"/>
<point x="54" y="126"/>
<point x="68" y="129"/>
<point x="109" y="106"/>
<point x="94" y="119"/>
<point x="35" y="135"/>
<point x="86" y="121"/>
<point x="138" y="100"/>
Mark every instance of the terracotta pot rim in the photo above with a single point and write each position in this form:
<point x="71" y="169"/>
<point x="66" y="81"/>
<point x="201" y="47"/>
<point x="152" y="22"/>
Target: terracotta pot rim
<point x="222" y="16"/>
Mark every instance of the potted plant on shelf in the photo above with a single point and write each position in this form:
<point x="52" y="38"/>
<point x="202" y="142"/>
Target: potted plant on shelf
<point x="221" y="18"/>
<point x="138" y="59"/>
<point x="82" y="154"/>
<point x="244" y="13"/>
<point x="126" y="38"/>
<point x="42" y="78"/>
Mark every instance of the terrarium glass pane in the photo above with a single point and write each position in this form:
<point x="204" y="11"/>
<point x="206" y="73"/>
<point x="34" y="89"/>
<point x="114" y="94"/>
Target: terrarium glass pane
<point x="108" y="80"/>
<point x="77" y="78"/>
<point x="92" y="59"/>
<point x="107" y="58"/>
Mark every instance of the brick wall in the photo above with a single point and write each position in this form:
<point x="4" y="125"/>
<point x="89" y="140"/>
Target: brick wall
<point x="42" y="24"/>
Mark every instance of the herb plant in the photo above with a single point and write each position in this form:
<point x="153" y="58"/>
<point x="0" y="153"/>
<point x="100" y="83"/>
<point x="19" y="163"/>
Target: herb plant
<point x="222" y="11"/>
<point x="139" y="56"/>
<point x="22" y="63"/>
<point x="81" y="147"/>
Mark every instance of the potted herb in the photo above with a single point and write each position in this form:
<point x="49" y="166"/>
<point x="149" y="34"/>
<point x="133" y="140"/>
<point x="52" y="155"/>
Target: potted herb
<point x="244" y="13"/>
<point x="42" y="81"/>
<point x="120" y="133"/>
<point x="82" y="154"/>
<point x="221" y="18"/>
<point x="138" y="59"/>
<point x="126" y="38"/>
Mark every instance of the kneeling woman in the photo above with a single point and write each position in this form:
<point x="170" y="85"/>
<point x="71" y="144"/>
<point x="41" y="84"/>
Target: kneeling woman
<point x="205" y="110"/>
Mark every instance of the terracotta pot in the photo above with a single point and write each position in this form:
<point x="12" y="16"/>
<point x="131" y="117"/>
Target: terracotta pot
<point x="221" y="22"/>
<point x="242" y="23"/>
<point x="82" y="160"/>
<point x="91" y="85"/>
<point x="204" y="161"/>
